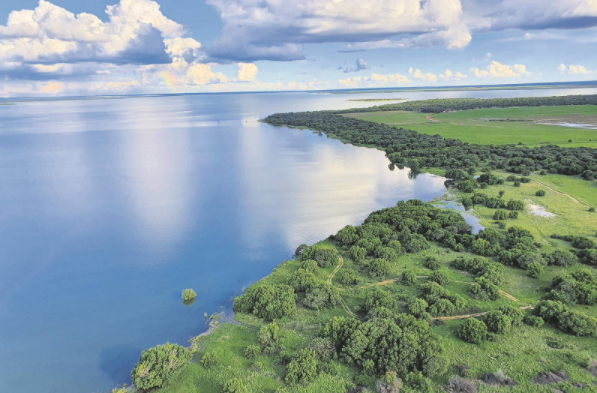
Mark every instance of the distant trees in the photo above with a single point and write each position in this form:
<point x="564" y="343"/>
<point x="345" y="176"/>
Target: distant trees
<point x="158" y="364"/>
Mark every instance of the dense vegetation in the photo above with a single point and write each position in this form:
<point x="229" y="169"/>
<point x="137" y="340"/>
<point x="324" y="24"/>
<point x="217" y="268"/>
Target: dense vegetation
<point x="458" y="104"/>
<point x="417" y="151"/>
<point x="411" y="300"/>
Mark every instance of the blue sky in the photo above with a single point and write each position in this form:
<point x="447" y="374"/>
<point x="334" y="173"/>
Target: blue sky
<point x="80" y="47"/>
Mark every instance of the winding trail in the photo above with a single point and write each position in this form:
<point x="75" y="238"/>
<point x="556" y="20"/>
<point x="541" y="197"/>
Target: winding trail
<point x="562" y="193"/>
<point x="332" y="274"/>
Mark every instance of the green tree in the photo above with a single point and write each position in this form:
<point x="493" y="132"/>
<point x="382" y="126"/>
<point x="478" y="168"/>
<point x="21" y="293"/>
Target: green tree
<point x="535" y="269"/>
<point x="302" y="368"/>
<point x="158" y="364"/>
<point x="497" y="322"/>
<point x="188" y="294"/>
<point x="473" y="331"/>
<point x="235" y="385"/>
<point x="439" y="277"/>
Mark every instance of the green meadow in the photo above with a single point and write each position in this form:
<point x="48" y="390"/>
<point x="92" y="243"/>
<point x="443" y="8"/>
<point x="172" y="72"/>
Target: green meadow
<point x="499" y="126"/>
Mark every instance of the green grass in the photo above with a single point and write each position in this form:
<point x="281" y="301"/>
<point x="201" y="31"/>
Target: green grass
<point x="472" y="125"/>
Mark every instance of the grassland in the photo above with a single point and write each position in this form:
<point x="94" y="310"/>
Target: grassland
<point x="499" y="126"/>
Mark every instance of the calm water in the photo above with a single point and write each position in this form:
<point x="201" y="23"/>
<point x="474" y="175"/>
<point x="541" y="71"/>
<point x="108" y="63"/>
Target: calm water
<point x="109" y="208"/>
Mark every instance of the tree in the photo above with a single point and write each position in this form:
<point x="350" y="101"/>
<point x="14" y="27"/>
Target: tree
<point x="432" y="263"/>
<point x="324" y="255"/>
<point x="158" y="364"/>
<point x="267" y="301"/>
<point x="321" y="296"/>
<point x="252" y="351"/>
<point x="235" y="385"/>
<point x="348" y="277"/>
<point x="408" y="277"/>
<point x="269" y="337"/>
<point x="210" y="359"/>
<point x="535" y="269"/>
<point x="497" y="322"/>
<point x="540" y="193"/>
<point x="473" y="331"/>
<point x="302" y="368"/>
<point x="309" y="265"/>
<point x="439" y="277"/>
<point x="417" y="307"/>
<point x="379" y="267"/>
<point x="188" y="294"/>
<point x="500" y="215"/>
<point x="357" y="253"/>
<point x="300" y="249"/>
<point x="561" y="258"/>
<point x="301" y="280"/>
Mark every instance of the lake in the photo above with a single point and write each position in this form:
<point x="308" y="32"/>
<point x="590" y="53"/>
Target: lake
<point x="109" y="208"/>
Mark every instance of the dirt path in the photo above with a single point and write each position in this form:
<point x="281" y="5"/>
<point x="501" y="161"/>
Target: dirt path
<point x="562" y="193"/>
<point x="428" y="117"/>
<point x="465" y="316"/>
<point x="502" y="292"/>
<point x="340" y="263"/>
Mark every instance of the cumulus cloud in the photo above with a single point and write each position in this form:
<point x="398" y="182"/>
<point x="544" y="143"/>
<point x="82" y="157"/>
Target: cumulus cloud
<point x="450" y="76"/>
<point x="246" y="72"/>
<point x="359" y="65"/>
<point x="277" y="30"/>
<point x="418" y="75"/>
<point x="574" y="70"/>
<point x="498" y="70"/>
<point x="350" y="82"/>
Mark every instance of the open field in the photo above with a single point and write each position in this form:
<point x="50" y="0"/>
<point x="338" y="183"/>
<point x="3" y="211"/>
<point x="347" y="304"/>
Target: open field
<point x="499" y="125"/>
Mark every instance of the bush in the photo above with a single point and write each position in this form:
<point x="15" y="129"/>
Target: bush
<point x="348" y="277"/>
<point x="269" y="337"/>
<point x="357" y="253"/>
<point x="591" y="210"/>
<point x="533" y="320"/>
<point x="439" y="277"/>
<point x="540" y="193"/>
<point x="561" y="258"/>
<point x="158" y="364"/>
<point x="483" y="289"/>
<point x="500" y="215"/>
<point x="417" y="307"/>
<point x="322" y="296"/>
<point x="188" y="294"/>
<point x="517" y="184"/>
<point x="379" y="267"/>
<point x="473" y="331"/>
<point x="309" y="266"/>
<point x="235" y="385"/>
<point x="408" y="277"/>
<point x="210" y="359"/>
<point x="535" y="269"/>
<point x="301" y="280"/>
<point x="347" y="236"/>
<point x="432" y="263"/>
<point x="378" y="298"/>
<point x="515" y="205"/>
<point x="419" y="383"/>
<point x="252" y="351"/>
<point x="323" y="347"/>
<point x="267" y="301"/>
<point x="302" y="368"/>
<point x="515" y="314"/>
<point x="300" y="249"/>
<point x="513" y="215"/>
<point x="497" y="322"/>
<point x="325" y="256"/>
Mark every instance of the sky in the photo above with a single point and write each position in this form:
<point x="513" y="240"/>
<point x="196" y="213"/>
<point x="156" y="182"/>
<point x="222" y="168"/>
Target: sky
<point x="100" y="47"/>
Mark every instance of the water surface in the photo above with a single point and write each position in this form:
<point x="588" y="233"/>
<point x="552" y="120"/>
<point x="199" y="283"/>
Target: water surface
<point x="109" y="208"/>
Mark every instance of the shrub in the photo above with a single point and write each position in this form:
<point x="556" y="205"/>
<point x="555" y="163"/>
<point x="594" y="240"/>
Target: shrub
<point x="515" y="205"/>
<point x="235" y="385"/>
<point x="442" y="306"/>
<point x="515" y="314"/>
<point x="269" y="337"/>
<point x="526" y="259"/>
<point x="535" y="269"/>
<point x="591" y="210"/>
<point x="500" y="215"/>
<point x="301" y="280"/>
<point x="348" y="277"/>
<point x="210" y="359"/>
<point x="357" y="253"/>
<point x="323" y="347"/>
<point x="460" y="385"/>
<point x="321" y="296"/>
<point x="324" y="255"/>
<point x="414" y="243"/>
<point x="347" y="236"/>
<point x="432" y="263"/>
<point x="540" y="193"/>
<point x="497" y="322"/>
<point x="483" y="247"/>
<point x="483" y="289"/>
<point x="513" y="215"/>
<point x="533" y="320"/>
<point x="419" y="383"/>
<point x="417" y="307"/>
<point x="378" y="298"/>
<point x="578" y="323"/>
<point x="302" y="368"/>
<point x="252" y="351"/>
<point x="158" y="364"/>
<point x="408" y="277"/>
<point x="517" y="184"/>
<point x="473" y="331"/>
<point x="379" y="267"/>
<point x="560" y="258"/>
<point x="309" y="266"/>
<point x="439" y="277"/>
<point x="188" y="294"/>
<point x="267" y="301"/>
<point x="300" y="249"/>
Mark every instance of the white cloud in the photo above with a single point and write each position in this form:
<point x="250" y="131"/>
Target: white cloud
<point x="246" y="72"/>
<point x="498" y="70"/>
<point x="359" y="65"/>
<point x="450" y="76"/>
<point x="417" y="74"/>
<point x="350" y="82"/>
<point x="574" y="69"/>
<point x="277" y="30"/>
